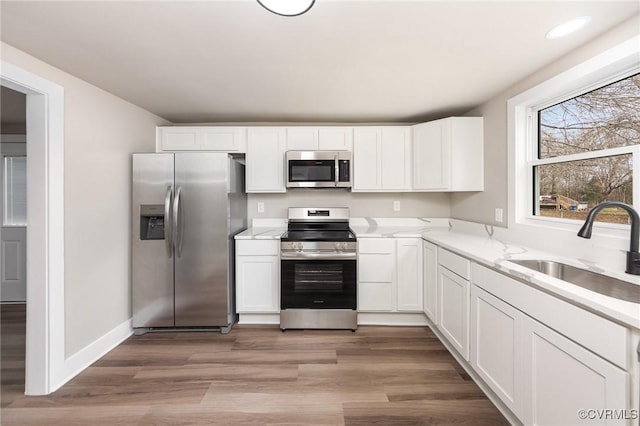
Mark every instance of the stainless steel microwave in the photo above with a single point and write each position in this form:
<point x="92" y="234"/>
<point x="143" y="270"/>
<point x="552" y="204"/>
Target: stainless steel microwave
<point x="319" y="169"/>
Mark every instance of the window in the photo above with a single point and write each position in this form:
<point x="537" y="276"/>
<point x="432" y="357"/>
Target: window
<point x="581" y="156"/>
<point x="15" y="190"/>
<point x="574" y="141"/>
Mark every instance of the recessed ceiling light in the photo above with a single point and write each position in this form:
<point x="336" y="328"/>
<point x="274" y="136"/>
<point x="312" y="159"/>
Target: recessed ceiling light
<point x="568" y="27"/>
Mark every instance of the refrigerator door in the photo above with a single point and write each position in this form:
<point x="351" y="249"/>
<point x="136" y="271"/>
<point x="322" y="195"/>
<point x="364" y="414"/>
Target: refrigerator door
<point x="201" y="237"/>
<point x="151" y="246"/>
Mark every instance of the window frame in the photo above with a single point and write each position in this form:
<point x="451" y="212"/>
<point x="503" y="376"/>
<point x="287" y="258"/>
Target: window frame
<point x="615" y="64"/>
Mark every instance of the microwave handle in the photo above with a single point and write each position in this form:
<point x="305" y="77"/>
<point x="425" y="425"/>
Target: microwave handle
<point x="337" y="166"/>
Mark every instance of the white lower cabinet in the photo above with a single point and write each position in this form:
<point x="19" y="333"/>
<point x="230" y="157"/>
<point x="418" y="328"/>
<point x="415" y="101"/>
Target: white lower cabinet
<point x="257" y="276"/>
<point x="430" y="280"/>
<point x="376" y="274"/>
<point x="561" y="378"/>
<point x="453" y="308"/>
<point x="497" y="349"/>
<point x="542" y="376"/>
<point x="409" y="267"/>
<point x="390" y="275"/>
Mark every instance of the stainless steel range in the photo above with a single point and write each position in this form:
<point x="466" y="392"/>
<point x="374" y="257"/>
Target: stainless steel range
<point x="318" y="270"/>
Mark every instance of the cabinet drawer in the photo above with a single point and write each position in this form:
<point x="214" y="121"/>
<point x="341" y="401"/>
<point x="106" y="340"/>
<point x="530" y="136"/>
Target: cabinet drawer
<point x="455" y="263"/>
<point x="601" y="336"/>
<point x="257" y="247"/>
<point x="377" y="245"/>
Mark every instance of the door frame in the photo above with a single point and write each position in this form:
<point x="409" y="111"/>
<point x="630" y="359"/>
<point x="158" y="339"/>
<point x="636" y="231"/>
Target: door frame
<point x="45" y="336"/>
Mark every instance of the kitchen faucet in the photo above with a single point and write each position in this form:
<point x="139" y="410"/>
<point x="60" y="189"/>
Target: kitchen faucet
<point x="633" y="257"/>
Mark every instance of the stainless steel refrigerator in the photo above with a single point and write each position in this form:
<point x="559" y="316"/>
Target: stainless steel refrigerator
<point x="186" y="208"/>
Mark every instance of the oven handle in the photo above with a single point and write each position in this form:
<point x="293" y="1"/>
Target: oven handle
<point x="316" y="256"/>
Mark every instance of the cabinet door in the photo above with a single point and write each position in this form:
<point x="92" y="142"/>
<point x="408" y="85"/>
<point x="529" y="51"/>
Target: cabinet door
<point x="409" y="268"/>
<point x="179" y="138"/>
<point x="302" y="138"/>
<point x="396" y="158"/>
<point x="454" y="309"/>
<point x="366" y="159"/>
<point x="225" y="139"/>
<point x="430" y="277"/>
<point x="563" y="378"/>
<point x="265" y="159"/>
<point x="335" y="138"/>
<point x="430" y="156"/>
<point x="257" y="284"/>
<point x="496" y="347"/>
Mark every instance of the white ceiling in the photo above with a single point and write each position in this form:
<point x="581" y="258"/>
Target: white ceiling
<point x="344" y="61"/>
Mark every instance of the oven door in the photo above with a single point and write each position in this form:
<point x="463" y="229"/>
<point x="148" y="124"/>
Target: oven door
<point x="318" y="284"/>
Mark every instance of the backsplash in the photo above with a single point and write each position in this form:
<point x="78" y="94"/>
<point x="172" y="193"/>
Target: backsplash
<point x="360" y="204"/>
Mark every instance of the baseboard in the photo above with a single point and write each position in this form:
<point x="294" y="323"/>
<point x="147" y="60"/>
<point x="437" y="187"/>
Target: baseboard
<point x="82" y="359"/>
<point x="410" y="319"/>
<point x="259" y="319"/>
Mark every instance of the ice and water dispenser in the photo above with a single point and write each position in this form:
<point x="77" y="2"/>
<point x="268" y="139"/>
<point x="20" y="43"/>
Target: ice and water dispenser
<point x="152" y="222"/>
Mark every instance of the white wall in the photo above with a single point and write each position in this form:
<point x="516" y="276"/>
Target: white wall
<point x="479" y="207"/>
<point x="360" y="204"/>
<point x="101" y="131"/>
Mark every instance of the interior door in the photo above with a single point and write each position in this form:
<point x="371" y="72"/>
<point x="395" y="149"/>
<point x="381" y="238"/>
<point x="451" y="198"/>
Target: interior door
<point x="13" y="181"/>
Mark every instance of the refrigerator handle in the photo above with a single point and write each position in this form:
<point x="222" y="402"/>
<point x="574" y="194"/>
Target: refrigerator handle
<point x="177" y="223"/>
<point x="167" y="222"/>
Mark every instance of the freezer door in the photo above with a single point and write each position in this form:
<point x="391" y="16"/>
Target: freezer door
<point x="151" y="246"/>
<point x="201" y="237"/>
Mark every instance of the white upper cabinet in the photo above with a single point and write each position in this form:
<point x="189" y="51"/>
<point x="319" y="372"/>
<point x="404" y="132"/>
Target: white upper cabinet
<point x="265" y="159"/>
<point x="202" y="138"/>
<point x="448" y="155"/>
<point x="302" y="138"/>
<point x="382" y="159"/>
<point x="335" y="138"/>
<point x="319" y="138"/>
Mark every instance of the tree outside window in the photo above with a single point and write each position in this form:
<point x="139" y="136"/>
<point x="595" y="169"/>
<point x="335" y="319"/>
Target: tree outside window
<point x="584" y="155"/>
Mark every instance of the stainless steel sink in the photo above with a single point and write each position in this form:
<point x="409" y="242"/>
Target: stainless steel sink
<point x="593" y="281"/>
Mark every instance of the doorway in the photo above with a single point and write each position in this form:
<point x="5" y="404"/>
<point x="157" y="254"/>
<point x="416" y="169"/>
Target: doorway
<point x="44" y="341"/>
<point x="13" y="240"/>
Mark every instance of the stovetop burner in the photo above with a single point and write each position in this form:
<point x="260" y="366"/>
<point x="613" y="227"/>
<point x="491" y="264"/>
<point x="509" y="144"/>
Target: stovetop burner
<point x="314" y="224"/>
<point x="317" y="235"/>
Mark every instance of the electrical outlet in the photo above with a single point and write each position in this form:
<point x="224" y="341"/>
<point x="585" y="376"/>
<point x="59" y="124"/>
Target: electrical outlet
<point x="396" y="206"/>
<point x="499" y="217"/>
<point x="260" y="207"/>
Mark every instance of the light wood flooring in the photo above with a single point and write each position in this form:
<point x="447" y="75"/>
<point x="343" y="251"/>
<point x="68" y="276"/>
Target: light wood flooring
<point x="255" y="376"/>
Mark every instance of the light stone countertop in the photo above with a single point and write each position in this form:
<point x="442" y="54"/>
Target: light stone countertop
<point x="495" y="254"/>
<point x="264" y="229"/>
<point x="261" y="233"/>
<point x="486" y="250"/>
